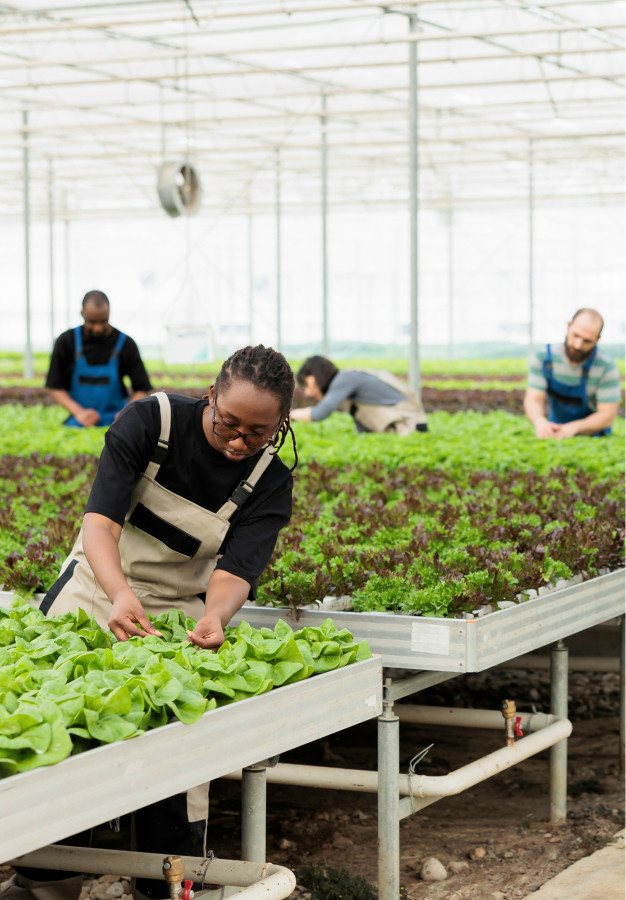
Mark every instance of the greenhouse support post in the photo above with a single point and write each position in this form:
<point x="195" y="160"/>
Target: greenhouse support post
<point x="68" y="291"/>
<point x="324" y="166"/>
<point x="51" y="244"/>
<point x="414" y="368"/>
<point x="253" y="813"/>
<point x="558" y="753"/>
<point x="278" y="255"/>
<point x="450" y="223"/>
<point x="388" y="800"/>
<point x="28" y="349"/>
<point x="531" y="250"/>
<point x="250" y="276"/>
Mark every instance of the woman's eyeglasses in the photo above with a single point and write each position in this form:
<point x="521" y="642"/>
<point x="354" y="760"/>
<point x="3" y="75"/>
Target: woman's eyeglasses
<point x="228" y="433"/>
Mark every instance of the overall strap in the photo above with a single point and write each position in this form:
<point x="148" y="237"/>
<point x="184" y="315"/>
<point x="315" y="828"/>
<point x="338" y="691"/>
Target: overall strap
<point x="244" y="488"/>
<point x="588" y="363"/>
<point x="118" y="346"/>
<point x="547" y="363"/>
<point x="163" y="444"/>
<point x="78" y="342"/>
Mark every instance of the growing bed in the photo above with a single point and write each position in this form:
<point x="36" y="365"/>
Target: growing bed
<point x="469" y="645"/>
<point x="48" y="804"/>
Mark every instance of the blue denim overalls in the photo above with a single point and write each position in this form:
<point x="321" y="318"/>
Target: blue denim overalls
<point x="568" y="402"/>
<point x="97" y="387"/>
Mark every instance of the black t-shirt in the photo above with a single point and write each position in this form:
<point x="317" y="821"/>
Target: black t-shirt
<point x="194" y="470"/>
<point x="97" y="351"/>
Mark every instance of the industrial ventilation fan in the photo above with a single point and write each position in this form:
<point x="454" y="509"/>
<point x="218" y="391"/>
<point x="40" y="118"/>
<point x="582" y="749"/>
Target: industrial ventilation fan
<point x="179" y="188"/>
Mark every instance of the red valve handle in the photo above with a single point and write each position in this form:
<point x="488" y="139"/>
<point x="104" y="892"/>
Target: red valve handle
<point x="187" y="892"/>
<point x="518" y="728"/>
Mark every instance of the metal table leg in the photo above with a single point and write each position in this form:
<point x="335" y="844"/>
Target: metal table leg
<point x="558" y="753"/>
<point x="253" y="813"/>
<point x="388" y="801"/>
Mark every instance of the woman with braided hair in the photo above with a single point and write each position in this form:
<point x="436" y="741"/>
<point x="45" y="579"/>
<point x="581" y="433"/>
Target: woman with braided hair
<point x="184" y="513"/>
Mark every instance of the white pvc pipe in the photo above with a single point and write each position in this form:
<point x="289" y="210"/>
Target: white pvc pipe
<point x="420" y="785"/>
<point x="469" y="718"/>
<point x="319" y="777"/>
<point x="261" y="881"/>
<point x="480" y="769"/>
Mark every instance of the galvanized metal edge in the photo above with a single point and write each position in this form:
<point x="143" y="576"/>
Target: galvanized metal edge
<point x="511" y="632"/>
<point x="467" y="645"/>
<point x="47" y="804"/>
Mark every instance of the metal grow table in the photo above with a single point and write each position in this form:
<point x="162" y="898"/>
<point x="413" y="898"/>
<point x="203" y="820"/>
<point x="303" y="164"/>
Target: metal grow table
<point x="434" y="650"/>
<point x="53" y="802"/>
<point x="439" y="649"/>
<point x="467" y="645"/>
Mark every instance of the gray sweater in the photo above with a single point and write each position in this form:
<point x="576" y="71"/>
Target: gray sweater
<point x="359" y="387"/>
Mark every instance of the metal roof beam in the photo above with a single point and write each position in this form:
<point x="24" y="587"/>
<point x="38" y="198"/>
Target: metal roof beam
<point x="31" y="63"/>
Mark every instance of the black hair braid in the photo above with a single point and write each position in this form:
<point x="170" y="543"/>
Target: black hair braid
<point x="283" y="431"/>
<point x="267" y="370"/>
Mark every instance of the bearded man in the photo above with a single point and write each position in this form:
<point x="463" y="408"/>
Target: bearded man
<point x="580" y="383"/>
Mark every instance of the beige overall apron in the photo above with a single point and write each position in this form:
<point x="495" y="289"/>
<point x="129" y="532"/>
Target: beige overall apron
<point x="168" y="548"/>
<point x="401" y="418"/>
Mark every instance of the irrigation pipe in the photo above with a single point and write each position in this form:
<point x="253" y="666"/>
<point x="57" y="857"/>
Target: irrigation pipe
<point x="421" y="786"/>
<point x="260" y="881"/>
<point x="498" y="761"/>
<point x="469" y="718"/>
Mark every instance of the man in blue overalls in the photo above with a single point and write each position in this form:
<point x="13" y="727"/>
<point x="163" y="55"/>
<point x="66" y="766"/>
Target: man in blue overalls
<point x="88" y="365"/>
<point x="580" y="383"/>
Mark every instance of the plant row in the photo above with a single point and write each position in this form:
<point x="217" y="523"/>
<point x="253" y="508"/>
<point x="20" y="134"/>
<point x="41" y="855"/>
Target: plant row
<point x="422" y="542"/>
<point x="393" y="534"/>
<point x="495" y="441"/>
<point x="12" y="365"/>
<point x="451" y="400"/>
<point x="66" y="685"/>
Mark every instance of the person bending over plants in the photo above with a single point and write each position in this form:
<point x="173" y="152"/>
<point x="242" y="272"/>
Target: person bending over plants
<point x="377" y="401"/>
<point x="184" y="513"/>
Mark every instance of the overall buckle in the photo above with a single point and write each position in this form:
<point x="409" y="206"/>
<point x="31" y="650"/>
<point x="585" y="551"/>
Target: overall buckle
<point x="242" y="492"/>
<point x="160" y="452"/>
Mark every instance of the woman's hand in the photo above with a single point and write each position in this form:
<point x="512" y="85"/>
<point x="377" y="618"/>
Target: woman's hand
<point x="208" y="632"/>
<point x="128" y="618"/>
<point x="225" y="594"/>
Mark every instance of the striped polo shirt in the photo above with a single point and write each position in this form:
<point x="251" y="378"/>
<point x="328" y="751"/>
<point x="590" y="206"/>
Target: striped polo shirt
<point x="603" y="383"/>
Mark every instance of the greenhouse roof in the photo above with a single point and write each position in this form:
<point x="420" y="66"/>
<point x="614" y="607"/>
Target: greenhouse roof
<point x="511" y="95"/>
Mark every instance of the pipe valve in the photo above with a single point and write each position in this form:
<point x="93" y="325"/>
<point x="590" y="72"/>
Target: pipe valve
<point x="512" y="722"/>
<point x="174" y="873"/>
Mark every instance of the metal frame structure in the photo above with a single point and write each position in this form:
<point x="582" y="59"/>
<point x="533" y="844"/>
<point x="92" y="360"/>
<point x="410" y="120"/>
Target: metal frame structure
<point x="306" y="104"/>
<point x="112" y="88"/>
<point x="446" y="648"/>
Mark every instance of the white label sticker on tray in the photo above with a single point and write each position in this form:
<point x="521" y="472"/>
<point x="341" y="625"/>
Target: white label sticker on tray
<point x="427" y="638"/>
